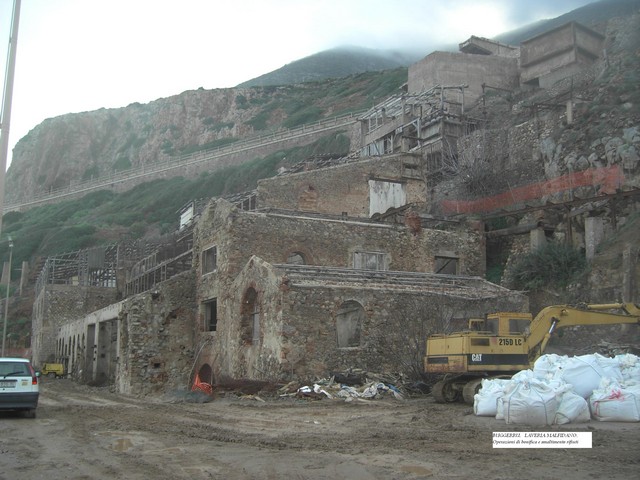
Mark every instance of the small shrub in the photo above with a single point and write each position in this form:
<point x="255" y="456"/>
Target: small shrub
<point x="90" y="173"/>
<point x="241" y="102"/>
<point x="259" y="122"/>
<point x="554" y="265"/>
<point x="122" y="163"/>
<point x="305" y="115"/>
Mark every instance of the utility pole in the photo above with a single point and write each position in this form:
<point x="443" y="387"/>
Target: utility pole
<point x="6" y="101"/>
<point x="6" y="300"/>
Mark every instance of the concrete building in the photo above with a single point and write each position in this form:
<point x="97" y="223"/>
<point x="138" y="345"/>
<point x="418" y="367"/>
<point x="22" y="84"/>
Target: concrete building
<point x="454" y="69"/>
<point x="485" y="46"/>
<point x="558" y="53"/>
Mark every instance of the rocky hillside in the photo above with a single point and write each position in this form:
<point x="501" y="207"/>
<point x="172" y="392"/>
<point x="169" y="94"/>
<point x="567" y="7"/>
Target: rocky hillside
<point x="77" y="147"/>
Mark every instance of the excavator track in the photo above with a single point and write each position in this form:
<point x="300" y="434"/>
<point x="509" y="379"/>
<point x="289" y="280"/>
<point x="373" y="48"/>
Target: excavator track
<point x="444" y="391"/>
<point x="470" y="389"/>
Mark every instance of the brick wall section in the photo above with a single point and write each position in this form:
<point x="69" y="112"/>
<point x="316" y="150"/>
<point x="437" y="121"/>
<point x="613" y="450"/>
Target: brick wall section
<point x="157" y="338"/>
<point x="339" y="189"/>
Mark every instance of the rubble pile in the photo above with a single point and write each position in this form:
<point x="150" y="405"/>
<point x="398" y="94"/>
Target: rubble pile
<point x="354" y="384"/>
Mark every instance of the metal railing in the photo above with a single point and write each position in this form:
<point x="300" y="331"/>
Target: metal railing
<point x="182" y="161"/>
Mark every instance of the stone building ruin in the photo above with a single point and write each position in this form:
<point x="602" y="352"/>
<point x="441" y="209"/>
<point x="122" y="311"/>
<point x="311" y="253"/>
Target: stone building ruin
<point x="339" y="263"/>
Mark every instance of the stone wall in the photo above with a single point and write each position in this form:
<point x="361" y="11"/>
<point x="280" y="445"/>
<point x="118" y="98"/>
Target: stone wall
<point x="157" y="338"/>
<point x="57" y="305"/>
<point x="88" y="346"/>
<point x="340" y="189"/>
<point x="274" y="237"/>
<point x="298" y="325"/>
<point x="247" y="244"/>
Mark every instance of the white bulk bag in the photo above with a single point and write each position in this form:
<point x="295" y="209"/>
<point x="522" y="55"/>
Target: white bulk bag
<point x="547" y="366"/>
<point x="572" y="409"/>
<point x="629" y="365"/>
<point x="616" y="402"/>
<point x="586" y="371"/>
<point x="530" y="402"/>
<point x="485" y="402"/>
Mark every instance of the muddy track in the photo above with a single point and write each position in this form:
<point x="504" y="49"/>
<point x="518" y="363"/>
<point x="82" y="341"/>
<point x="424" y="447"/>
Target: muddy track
<point x="85" y="433"/>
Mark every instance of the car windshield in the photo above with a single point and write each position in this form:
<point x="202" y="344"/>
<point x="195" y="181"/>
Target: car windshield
<point x="9" y="369"/>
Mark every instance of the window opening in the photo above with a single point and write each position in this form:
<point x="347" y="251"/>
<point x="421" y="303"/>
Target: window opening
<point x="211" y="315"/>
<point x="250" y="318"/>
<point x="369" y="261"/>
<point x="209" y="260"/>
<point x="296" y="258"/>
<point x="491" y="325"/>
<point x="349" y="324"/>
<point x="447" y="265"/>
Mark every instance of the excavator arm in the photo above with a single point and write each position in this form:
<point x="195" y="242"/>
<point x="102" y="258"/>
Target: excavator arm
<point x="559" y="316"/>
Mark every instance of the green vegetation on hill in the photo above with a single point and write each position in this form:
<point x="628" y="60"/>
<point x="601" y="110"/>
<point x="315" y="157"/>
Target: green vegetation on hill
<point x="335" y="63"/>
<point x="301" y="104"/>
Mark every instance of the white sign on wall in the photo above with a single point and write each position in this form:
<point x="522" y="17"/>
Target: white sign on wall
<point x="384" y="195"/>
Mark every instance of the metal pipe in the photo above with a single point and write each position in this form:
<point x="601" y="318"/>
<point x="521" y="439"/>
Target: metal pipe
<point x="6" y="301"/>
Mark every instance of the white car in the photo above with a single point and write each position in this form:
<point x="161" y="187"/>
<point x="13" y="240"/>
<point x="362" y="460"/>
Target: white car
<point x="19" y="386"/>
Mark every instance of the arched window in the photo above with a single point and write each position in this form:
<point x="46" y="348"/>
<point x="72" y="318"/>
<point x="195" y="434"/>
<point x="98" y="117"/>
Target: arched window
<point x="296" y="258"/>
<point x="250" y="318"/>
<point x="349" y="324"/>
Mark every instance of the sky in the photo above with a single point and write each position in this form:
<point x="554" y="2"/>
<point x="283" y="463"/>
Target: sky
<point x="82" y="55"/>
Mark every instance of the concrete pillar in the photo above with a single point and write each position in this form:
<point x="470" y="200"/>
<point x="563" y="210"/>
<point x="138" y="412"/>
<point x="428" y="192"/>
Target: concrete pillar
<point x="629" y="280"/>
<point x="88" y="373"/>
<point x="5" y="273"/>
<point x="24" y="275"/>
<point x="103" y="352"/>
<point x="593" y="235"/>
<point x="537" y="239"/>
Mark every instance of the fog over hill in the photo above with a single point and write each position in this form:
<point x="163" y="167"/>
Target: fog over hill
<point x="349" y="60"/>
<point x="335" y="63"/>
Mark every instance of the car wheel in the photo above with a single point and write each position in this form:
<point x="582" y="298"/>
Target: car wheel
<point x="31" y="413"/>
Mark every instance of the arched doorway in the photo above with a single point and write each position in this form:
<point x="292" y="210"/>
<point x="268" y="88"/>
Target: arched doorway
<point x="349" y="319"/>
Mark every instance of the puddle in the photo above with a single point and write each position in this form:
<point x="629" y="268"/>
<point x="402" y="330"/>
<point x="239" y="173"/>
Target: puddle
<point x="417" y="470"/>
<point x="122" y="445"/>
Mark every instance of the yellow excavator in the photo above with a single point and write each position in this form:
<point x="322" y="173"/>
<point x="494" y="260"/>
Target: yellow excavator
<point x="504" y="343"/>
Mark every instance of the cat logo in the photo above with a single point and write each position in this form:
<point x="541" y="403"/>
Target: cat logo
<point x="476" y="357"/>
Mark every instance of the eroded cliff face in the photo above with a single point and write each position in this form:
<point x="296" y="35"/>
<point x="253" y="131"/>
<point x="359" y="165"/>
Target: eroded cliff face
<point x="77" y="147"/>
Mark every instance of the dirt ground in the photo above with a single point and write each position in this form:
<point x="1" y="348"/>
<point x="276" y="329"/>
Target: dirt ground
<point x="88" y="433"/>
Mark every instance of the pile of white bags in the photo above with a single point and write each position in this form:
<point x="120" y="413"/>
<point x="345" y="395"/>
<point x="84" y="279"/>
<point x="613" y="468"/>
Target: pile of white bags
<point x="563" y="389"/>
